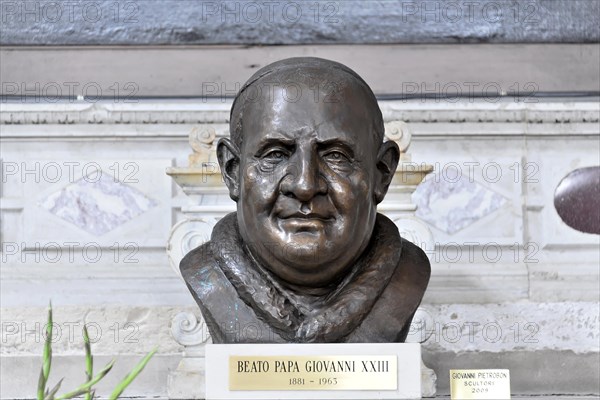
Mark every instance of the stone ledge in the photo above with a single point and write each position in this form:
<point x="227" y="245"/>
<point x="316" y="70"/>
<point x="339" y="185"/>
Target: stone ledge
<point x="534" y="375"/>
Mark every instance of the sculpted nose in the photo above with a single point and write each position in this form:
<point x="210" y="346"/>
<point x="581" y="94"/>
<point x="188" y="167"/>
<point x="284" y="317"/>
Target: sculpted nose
<point x="304" y="180"/>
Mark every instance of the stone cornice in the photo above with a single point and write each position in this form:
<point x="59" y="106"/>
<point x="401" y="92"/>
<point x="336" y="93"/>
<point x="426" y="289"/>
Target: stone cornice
<point x="173" y="120"/>
<point x="205" y="111"/>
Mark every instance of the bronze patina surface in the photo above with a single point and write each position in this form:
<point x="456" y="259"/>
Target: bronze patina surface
<point x="306" y="257"/>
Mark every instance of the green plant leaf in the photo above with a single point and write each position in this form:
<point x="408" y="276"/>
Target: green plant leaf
<point x="89" y="361"/>
<point x="50" y="395"/>
<point x="132" y="375"/>
<point x="86" y="388"/>
<point x="83" y="389"/>
<point x="41" y="385"/>
<point x="46" y="358"/>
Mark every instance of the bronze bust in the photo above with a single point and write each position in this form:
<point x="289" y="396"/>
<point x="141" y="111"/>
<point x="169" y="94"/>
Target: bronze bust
<point x="306" y="257"/>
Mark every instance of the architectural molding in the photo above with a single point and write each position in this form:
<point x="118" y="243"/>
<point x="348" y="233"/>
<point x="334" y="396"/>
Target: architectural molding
<point x="178" y="113"/>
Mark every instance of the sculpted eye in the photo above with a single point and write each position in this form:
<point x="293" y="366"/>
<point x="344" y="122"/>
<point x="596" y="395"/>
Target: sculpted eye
<point x="336" y="156"/>
<point x="275" y="155"/>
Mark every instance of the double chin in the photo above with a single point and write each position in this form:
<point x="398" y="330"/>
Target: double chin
<point x="298" y="260"/>
<point x="305" y="252"/>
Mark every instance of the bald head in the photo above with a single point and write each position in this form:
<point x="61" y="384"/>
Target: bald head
<point x="320" y="80"/>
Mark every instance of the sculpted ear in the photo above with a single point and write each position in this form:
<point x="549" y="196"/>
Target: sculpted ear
<point x="229" y="161"/>
<point x="387" y="162"/>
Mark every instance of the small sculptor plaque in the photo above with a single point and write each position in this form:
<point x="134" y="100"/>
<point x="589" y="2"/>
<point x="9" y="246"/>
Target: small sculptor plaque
<point x="479" y="384"/>
<point x="364" y="372"/>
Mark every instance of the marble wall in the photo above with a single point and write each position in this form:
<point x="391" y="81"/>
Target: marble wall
<point x="87" y="209"/>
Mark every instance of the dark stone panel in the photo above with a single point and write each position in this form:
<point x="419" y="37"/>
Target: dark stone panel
<point x="251" y="22"/>
<point x="544" y="372"/>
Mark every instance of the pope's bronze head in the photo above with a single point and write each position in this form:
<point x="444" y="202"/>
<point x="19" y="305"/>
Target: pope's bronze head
<point x="307" y="166"/>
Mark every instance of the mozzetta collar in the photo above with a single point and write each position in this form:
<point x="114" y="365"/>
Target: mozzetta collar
<point x="305" y="318"/>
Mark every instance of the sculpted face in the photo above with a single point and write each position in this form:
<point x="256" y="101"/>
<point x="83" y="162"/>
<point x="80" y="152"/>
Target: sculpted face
<point x="307" y="179"/>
